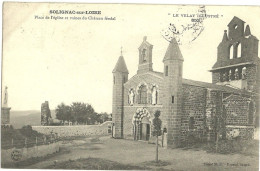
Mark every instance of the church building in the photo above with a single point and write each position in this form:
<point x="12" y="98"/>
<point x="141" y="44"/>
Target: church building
<point x="226" y="108"/>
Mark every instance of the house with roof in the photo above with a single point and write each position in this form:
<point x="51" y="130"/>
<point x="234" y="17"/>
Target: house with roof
<point x="227" y="107"/>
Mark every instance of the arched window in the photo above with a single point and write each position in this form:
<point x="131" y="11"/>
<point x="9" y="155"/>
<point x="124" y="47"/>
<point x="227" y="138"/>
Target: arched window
<point x="238" y="50"/>
<point x="231" y="51"/>
<point x="154" y="95"/>
<point x="225" y="76"/>
<point x="243" y="73"/>
<point x="221" y="74"/>
<point x="143" y="94"/>
<point x="230" y="75"/>
<point x="144" y="55"/>
<point x="236" y="74"/>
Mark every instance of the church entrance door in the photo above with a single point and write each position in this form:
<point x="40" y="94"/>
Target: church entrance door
<point x="142" y="124"/>
<point x="145" y="132"/>
<point x="145" y="129"/>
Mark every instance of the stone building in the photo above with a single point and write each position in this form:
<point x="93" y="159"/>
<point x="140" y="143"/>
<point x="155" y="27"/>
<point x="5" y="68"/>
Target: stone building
<point x="227" y="107"/>
<point x="45" y="114"/>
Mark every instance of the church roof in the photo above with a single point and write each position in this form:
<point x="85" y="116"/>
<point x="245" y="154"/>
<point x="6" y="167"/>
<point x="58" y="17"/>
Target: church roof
<point x="145" y="43"/>
<point x="120" y="65"/>
<point x="235" y="20"/>
<point x="173" y="51"/>
<point x="206" y="85"/>
<point x="234" y="62"/>
<point x="214" y="86"/>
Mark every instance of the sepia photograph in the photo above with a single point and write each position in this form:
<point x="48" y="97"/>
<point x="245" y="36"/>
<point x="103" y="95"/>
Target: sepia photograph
<point x="90" y="86"/>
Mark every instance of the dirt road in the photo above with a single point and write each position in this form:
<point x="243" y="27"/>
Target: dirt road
<point x="138" y="153"/>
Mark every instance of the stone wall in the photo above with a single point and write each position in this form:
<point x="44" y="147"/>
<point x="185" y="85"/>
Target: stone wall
<point x="13" y="155"/>
<point x="78" y="130"/>
<point x="147" y="79"/>
<point x="194" y="107"/>
<point x="213" y="110"/>
<point x="215" y="77"/>
<point x="117" y="104"/>
<point x="237" y="110"/>
<point x="253" y="77"/>
<point x="129" y="111"/>
<point x="150" y="80"/>
<point x="245" y="132"/>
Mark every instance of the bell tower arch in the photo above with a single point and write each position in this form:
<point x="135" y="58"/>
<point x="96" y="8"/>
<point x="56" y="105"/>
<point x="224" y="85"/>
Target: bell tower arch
<point x="145" y="57"/>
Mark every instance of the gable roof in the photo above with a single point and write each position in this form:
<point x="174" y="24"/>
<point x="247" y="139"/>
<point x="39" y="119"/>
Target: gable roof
<point x="145" y="43"/>
<point x="120" y="65"/>
<point x="235" y="20"/>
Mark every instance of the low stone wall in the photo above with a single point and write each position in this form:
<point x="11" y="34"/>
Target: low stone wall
<point x="13" y="155"/>
<point x="76" y="130"/>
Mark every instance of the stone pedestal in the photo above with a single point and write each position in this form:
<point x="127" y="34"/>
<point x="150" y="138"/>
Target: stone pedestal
<point x="5" y="116"/>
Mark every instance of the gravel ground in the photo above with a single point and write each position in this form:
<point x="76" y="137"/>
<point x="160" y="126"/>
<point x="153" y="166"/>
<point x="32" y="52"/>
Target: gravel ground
<point x="138" y="153"/>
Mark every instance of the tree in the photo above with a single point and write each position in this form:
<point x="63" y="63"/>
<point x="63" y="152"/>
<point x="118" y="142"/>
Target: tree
<point x="92" y="115"/>
<point x="103" y="117"/>
<point x="83" y="113"/>
<point x="157" y="124"/>
<point x="63" y="112"/>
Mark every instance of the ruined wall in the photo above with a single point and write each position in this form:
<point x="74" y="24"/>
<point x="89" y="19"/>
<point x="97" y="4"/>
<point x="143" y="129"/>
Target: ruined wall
<point x="45" y="113"/>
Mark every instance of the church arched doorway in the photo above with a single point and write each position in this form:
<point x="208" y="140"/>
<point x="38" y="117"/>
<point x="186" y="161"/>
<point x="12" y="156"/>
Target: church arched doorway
<point x="145" y="129"/>
<point x="142" y="125"/>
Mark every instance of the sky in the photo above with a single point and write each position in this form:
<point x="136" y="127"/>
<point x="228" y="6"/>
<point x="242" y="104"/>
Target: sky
<point x="72" y="60"/>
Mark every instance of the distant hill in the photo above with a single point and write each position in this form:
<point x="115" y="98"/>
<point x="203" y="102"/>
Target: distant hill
<point x="29" y="117"/>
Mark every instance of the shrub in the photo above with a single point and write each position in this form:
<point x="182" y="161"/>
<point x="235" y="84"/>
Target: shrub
<point x="249" y="147"/>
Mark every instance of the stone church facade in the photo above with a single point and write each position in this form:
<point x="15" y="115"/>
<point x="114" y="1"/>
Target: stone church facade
<point x="227" y="107"/>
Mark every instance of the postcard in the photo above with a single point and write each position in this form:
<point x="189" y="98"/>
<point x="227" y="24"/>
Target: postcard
<point x="130" y="86"/>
